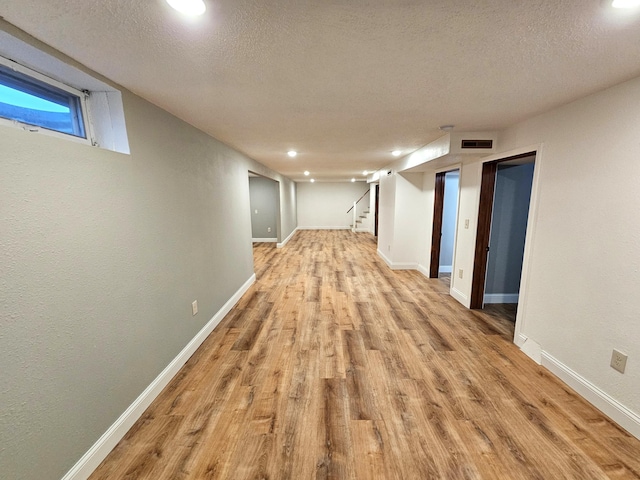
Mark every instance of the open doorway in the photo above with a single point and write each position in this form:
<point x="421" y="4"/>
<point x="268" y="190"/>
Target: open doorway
<point x="445" y="218"/>
<point x="264" y="200"/>
<point x="505" y="197"/>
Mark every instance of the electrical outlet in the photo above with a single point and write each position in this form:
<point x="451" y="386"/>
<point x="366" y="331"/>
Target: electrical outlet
<point x="269" y="229"/>
<point x="194" y="307"/>
<point x="466" y="223"/>
<point x="460" y="273"/>
<point x="256" y="211"/>
<point x="618" y="361"/>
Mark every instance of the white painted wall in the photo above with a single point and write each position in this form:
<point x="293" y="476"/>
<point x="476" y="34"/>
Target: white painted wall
<point x="470" y="176"/>
<point x="410" y="229"/>
<point x="404" y="235"/>
<point x="584" y="271"/>
<point x="386" y="216"/>
<point x="372" y="208"/>
<point x="325" y="204"/>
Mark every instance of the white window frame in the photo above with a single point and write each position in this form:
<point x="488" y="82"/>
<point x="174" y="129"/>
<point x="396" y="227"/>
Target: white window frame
<point x="82" y="95"/>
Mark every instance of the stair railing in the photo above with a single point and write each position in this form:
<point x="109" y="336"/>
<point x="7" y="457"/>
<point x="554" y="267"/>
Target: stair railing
<point x="355" y="208"/>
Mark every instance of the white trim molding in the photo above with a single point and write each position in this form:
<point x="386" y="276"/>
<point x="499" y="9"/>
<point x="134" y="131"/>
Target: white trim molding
<point x="397" y="266"/>
<point x="268" y="240"/>
<point x="608" y="405"/>
<point x="98" y="452"/>
<point x="423" y="270"/>
<point x="445" y="268"/>
<point x="501" y="298"/>
<point x="343" y="227"/>
<point x="286" y="240"/>
<point x="460" y="297"/>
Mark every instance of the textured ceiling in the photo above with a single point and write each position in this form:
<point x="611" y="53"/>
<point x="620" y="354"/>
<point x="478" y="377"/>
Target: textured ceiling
<point x="343" y="82"/>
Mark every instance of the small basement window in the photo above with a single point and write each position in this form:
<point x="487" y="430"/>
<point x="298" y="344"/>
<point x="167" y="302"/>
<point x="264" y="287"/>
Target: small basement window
<point x="45" y="92"/>
<point x="34" y="100"/>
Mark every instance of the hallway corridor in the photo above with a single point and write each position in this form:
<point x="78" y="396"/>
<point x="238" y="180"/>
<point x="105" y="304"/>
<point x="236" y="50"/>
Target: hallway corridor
<point x="334" y="366"/>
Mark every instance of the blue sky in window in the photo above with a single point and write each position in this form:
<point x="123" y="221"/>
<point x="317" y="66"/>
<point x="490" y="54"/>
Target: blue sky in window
<point x="21" y="99"/>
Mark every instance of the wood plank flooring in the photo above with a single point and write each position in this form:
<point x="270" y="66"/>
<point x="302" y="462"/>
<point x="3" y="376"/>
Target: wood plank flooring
<point x="335" y="367"/>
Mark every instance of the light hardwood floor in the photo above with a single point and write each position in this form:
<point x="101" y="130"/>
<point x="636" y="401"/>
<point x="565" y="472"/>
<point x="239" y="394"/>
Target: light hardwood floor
<point x="334" y="366"/>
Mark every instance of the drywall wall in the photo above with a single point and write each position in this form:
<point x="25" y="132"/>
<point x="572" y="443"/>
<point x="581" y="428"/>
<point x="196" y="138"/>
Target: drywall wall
<point x="508" y="231"/>
<point x="325" y="204"/>
<point x="449" y="218"/>
<point x="102" y="255"/>
<point x="386" y="215"/>
<point x="584" y="270"/>
<point x="461" y="278"/>
<point x="410" y="230"/>
<point x="264" y="199"/>
<point x="404" y="235"/>
<point x="372" y="207"/>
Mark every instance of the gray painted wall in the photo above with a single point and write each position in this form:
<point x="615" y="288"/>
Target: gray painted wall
<point x="449" y="216"/>
<point x="263" y="194"/>
<point x="508" y="228"/>
<point x="102" y="255"/>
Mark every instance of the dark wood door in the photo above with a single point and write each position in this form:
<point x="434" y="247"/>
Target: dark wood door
<point x="436" y="233"/>
<point x="485" y="211"/>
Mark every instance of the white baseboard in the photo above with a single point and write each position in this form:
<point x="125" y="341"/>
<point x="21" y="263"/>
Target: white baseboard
<point x="445" y="269"/>
<point x="423" y="270"/>
<point x="608" y="405"/>
<point x="286" y="240"/>
<point x="343" y="227"/>
<point x="397" y="266"/>
<point x="98" y="452"/>
<point x="460" y="297"/>
<point x="519" y="339"/>
<point x="268" y="240"/>
<point x="501" y="298"/>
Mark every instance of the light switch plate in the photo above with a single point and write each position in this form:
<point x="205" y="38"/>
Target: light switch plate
<point x="194" y="307"/>
<point x="618" y="361"/>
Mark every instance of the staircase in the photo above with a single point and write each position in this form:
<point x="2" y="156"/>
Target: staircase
<point x="360" y="220"/>
<point x="363" y="223"/>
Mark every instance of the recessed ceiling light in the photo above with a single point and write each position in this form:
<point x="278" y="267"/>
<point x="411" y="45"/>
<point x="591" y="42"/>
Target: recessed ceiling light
<point x="312" y="180"/>
<point x="396" y="153"/>
<point x="306" y="172"/>
<point x="365" y="172"/>
<point x="446" y="128"/>
<point x="625" y="3"/>
<point x="292" y="153"/>
<point x="353" y="180"/>
<point x="188" y="7"/>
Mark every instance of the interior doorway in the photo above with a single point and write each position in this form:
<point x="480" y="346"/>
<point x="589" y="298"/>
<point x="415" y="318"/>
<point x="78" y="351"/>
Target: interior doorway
<point x="505" y="197"/>
<point x="445" y="219"/>
<point x="264" y="200"/>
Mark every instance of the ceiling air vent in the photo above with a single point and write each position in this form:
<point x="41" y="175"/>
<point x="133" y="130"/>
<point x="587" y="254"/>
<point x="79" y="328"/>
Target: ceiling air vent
<point x="477" y="144"/>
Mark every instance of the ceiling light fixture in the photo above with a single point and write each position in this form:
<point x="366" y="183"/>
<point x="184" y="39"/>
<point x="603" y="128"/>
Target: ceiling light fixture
<point x="446" y="128"/>
<point x="353" y="180"/>
<point x="396" y="153"/>
<point x="188" y="7"/>
<point x="366" y="172"/>
<point x="292" y="153"/>
<point x="306" y="173"/>
<point x="312" y="180"/>
<point x="625" y="3"/>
